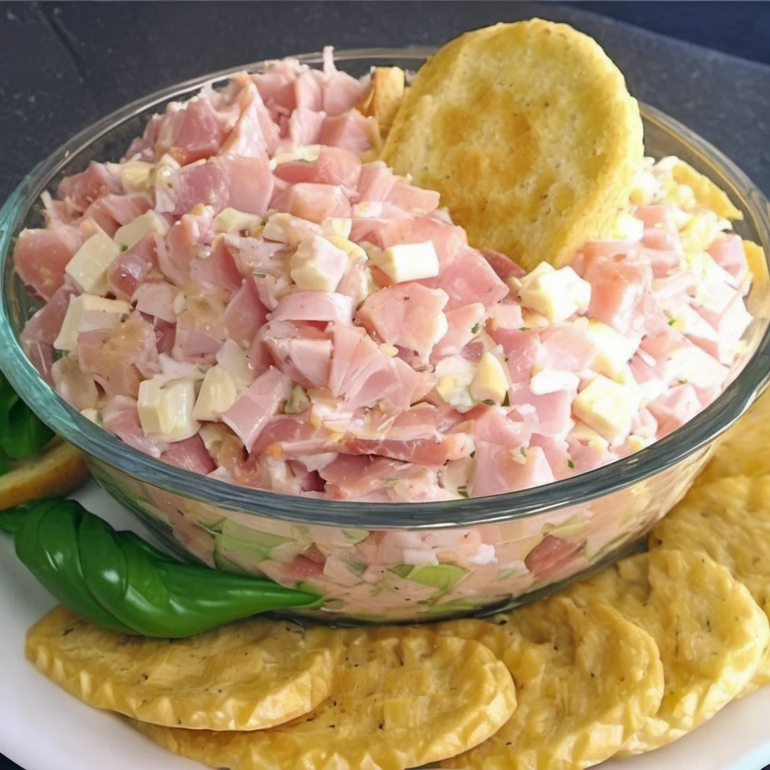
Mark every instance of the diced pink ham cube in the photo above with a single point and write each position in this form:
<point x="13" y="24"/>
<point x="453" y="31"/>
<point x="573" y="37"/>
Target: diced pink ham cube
<point x="40" y="256"/>
<point x="314" y="202"/>
<point x="314" y="306"/>
<point x="469" y="278"/>
<point x="244" y="315"/>
<point x="406" y="315"/>
<point x="249" y="414"/>
<point x="334" y="166"/>
<point x="189" y="133"/>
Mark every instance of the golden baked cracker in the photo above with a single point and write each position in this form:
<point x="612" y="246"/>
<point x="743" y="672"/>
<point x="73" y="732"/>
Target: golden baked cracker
<point x="56" y="471"/>
<point x="707" y="194"/>
<point x="710" y="632"/>
<point x="757" y="302"/>
<point x="728" y="519"/>
<point x="529" y="134"/>
<point x="586" y="681"/>
<point x="401" y="698"/>
<point x="744" y="450"/>
<point x="243" y="676"/>
<point x="383" y="96"/>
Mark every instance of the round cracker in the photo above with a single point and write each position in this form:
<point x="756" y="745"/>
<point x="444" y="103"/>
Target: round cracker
<point x="743" y="450"/>
<point x="59" y="469"/>
<point x="243" y="676"/>
<point x="528" y="132"/>
<point x="400" y="699"/>
<point x="729" y="520"/>
<point x="586" y="681"/>
<point x="705" y="193"/>
<point x="383" y="96"/>
<point x="710" y="632"/>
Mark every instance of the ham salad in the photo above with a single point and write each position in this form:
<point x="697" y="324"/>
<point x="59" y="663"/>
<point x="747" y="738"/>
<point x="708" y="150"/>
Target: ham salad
<point x="249" y="295"/>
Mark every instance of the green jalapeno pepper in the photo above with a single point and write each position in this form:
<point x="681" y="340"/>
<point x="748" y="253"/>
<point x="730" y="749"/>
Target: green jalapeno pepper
<point x="119" y="581"/>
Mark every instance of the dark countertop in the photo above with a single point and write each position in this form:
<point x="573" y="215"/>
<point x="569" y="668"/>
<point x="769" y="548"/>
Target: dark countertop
<point x="64" y="65"/>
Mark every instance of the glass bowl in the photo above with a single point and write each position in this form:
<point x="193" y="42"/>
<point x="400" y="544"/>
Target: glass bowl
<point x="377" y="561"/>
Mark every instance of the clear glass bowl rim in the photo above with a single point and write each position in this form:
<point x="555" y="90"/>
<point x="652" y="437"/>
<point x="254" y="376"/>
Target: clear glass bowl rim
<point x="93" y="440"/>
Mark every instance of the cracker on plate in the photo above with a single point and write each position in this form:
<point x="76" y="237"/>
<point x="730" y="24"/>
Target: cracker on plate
<point x="401" y="698"/>
<point x="586" y="679"/>
<point x="729" y="520"/>
<point x="710" y="632"/>
<point x="243" y="676"/>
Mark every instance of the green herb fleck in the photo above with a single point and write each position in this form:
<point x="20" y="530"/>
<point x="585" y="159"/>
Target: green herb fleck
<point x="462" y="491"/>
<point x="507" y="400"/>
<point x="570" y="465"/>
<point x="524" y="328"/>
<point x="475" y="328"/>
<point x="390" y="483"/>
<point x="523" y="452"/>
<point x="672" y="322"/>
<point x="488" y="402"/>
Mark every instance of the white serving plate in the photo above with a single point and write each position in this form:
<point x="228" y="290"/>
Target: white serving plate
<point x="42" y="727"/>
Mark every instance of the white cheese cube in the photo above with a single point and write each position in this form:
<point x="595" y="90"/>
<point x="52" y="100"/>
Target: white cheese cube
<point x="615" y="350"/>
<point x="514" y="284"/>
<point x="712" y="281"/>
<point x="454" y="375"/>
<point x="340" y="226"/>
<point x="307" y="153"/>
<point x="446" y="386"/>
<point x="628" y="228"/>
<point x="644" y="188"/>
<point x="367" y="209"/>
<point x="608" y="407"/>
<point x="552" y="381"/>
<point x="136" y="229"/>
<point x="165" y="408"/>
<point x="701" y="370"/>
<point x="234" y="360"/>
<point x="317" y="266"/>
<point x="556" y="294"/>
<point x="70" y="328"/>
<point x="283" y="228"/>
<point x="353" y="250"/>
<point x="136" y="175"/>
<point x="88" y="312"/>
<point x="532" y="320"/>
<point x="91" y="414"/>
<point x="490" y="382"/>
<point x="636" y="443"/>
<point x="407" y="261"/>
<point x="218" y="393"/>
<point x="90" y="263"/>
<point x="581" y="432"/>
<point x="231" y="219"/>
<point x="213" y="436"/>
<point x="626" y="377"/>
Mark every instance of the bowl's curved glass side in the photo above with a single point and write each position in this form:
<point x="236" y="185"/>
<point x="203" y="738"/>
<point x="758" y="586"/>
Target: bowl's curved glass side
<point x="370" y="575"/>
